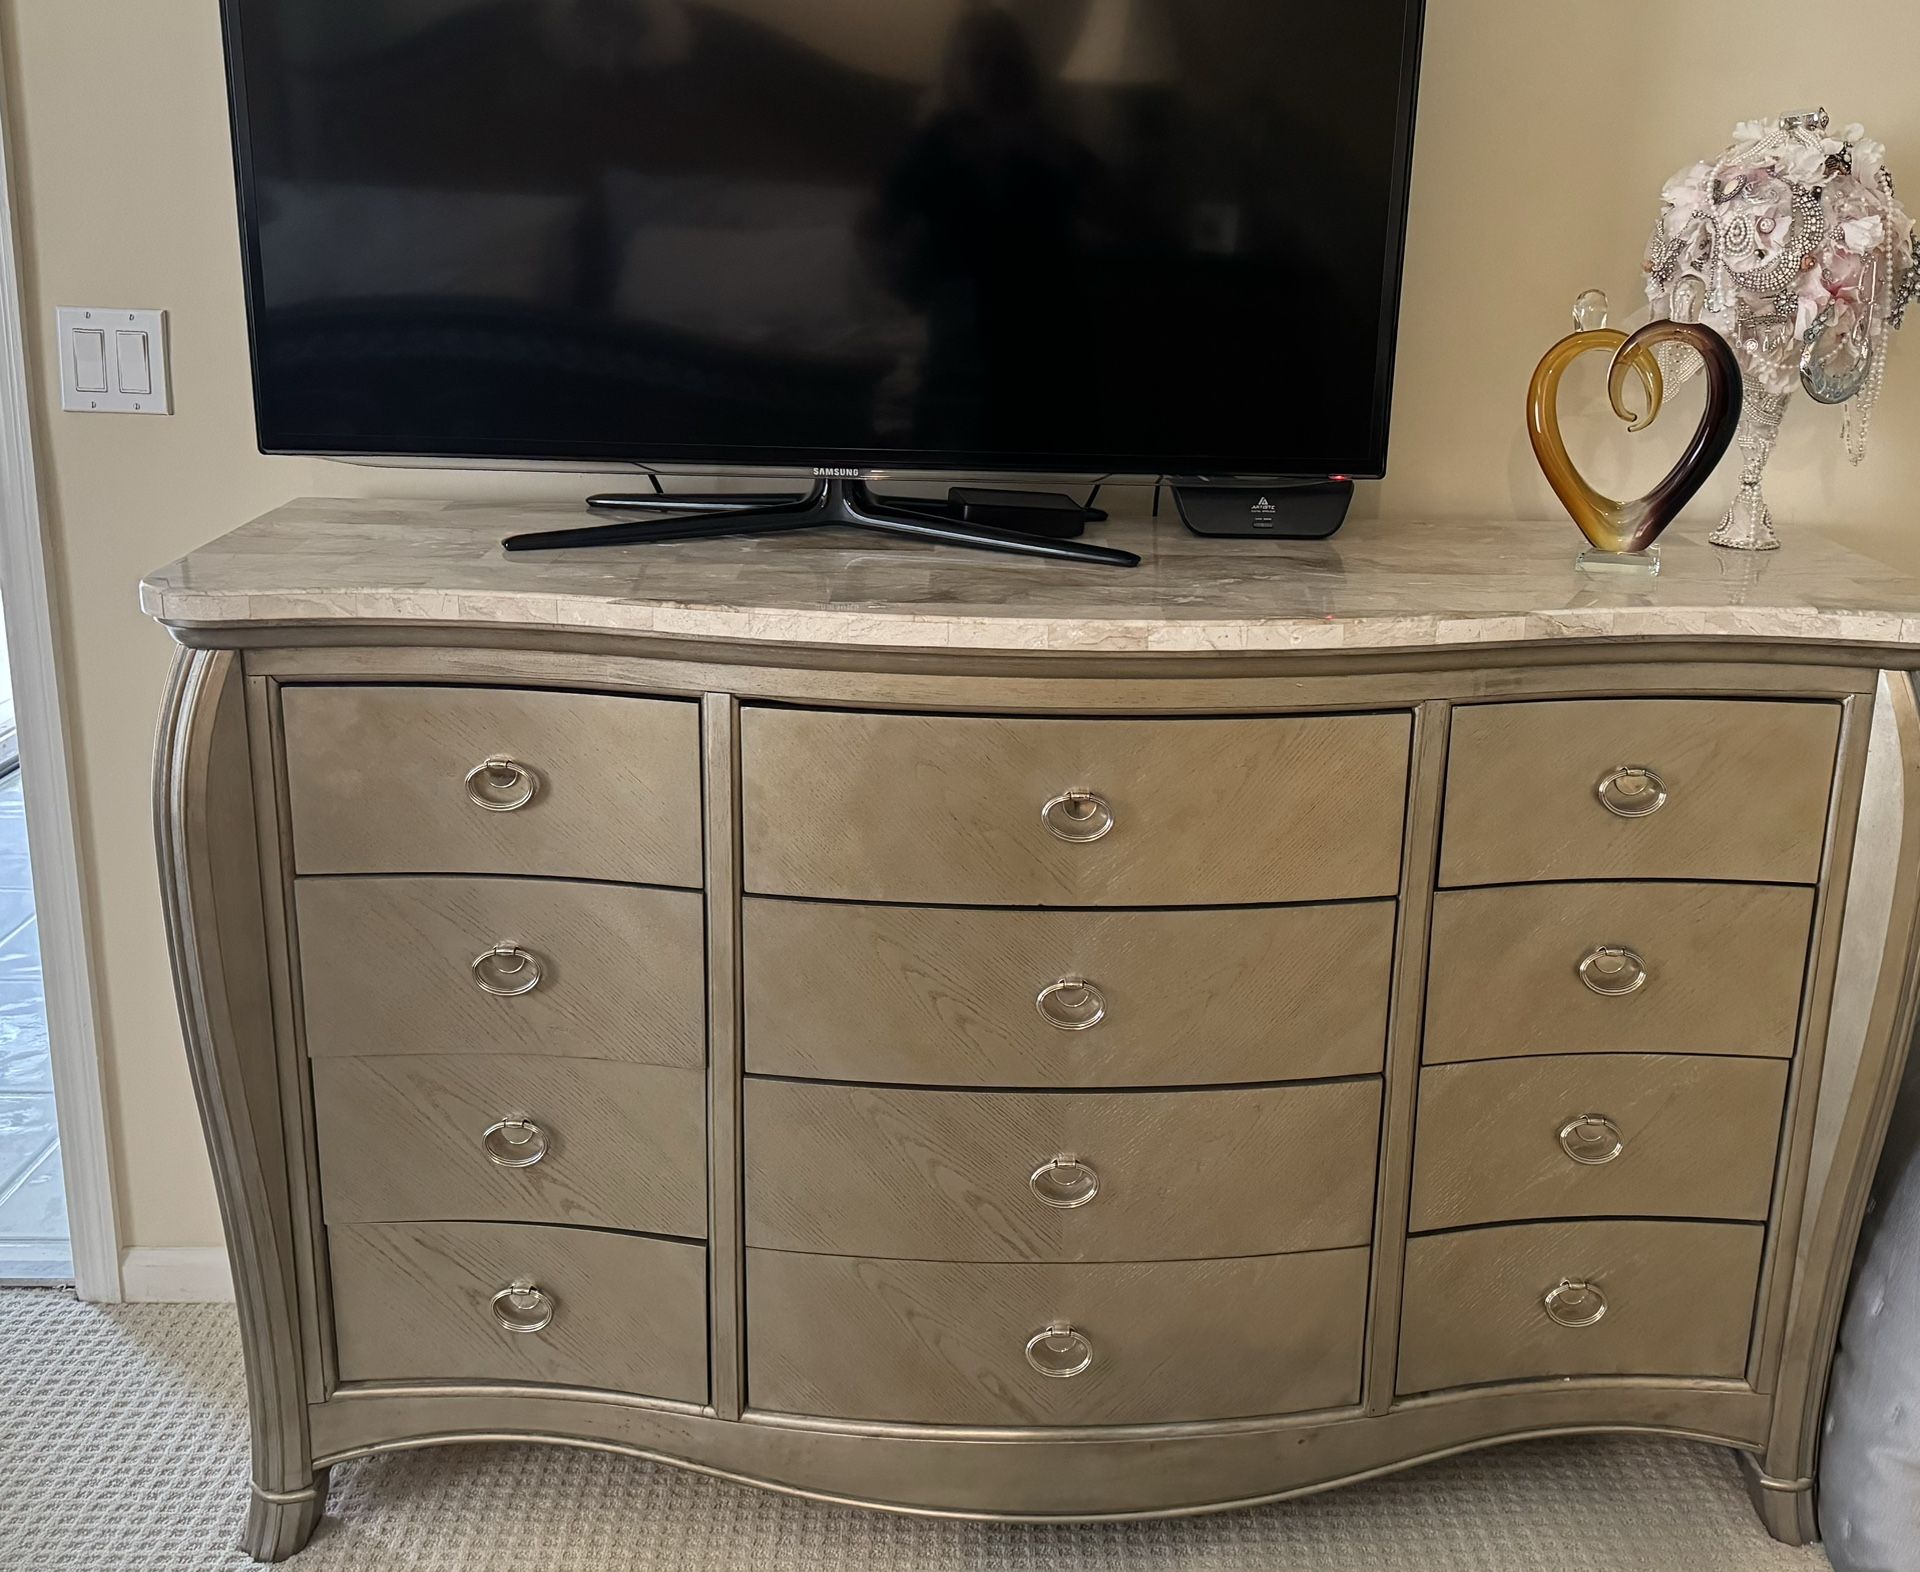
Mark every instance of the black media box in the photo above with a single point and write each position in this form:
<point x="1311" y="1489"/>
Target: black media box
<point x="1043" y="513"/>
<point x="1285" y="510"/>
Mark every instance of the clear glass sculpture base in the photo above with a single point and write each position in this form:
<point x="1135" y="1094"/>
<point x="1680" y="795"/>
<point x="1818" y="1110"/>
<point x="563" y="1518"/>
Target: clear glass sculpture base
<point x="1638" y="564"/>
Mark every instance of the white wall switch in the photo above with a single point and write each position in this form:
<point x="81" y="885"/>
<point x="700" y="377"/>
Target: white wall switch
<point x="113" y="361"/>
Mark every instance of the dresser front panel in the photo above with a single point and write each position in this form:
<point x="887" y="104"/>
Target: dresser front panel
<point x="961" y="997"/>
<point x="380" y="780"/>
<point x="921" y="1342"/>
<point x="1713" y="969"/>
<point x="1674" y="1299"/>
<point x="946" y="810"/>
<point x="1746" y="782"/>
<point x="398" y="966"/>
<point x="610" y="1145"/>
<point x="1596" y="1135"/>
<point x="414" y="1302"/>
<point x="954" y="1176"/>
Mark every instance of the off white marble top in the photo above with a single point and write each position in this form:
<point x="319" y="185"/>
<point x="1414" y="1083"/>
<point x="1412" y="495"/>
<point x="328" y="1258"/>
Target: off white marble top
<point x="1377" y="585"/>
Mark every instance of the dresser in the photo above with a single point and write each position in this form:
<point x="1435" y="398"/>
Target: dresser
<point x="964" y="1036"/>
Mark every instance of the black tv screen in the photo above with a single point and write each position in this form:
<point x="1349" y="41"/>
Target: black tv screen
<point x="1069" y="236"/>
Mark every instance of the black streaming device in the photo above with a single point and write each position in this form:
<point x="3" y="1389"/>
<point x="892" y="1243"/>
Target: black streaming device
<point x="1045" y="513"/>
<point x="1283" y="510"/>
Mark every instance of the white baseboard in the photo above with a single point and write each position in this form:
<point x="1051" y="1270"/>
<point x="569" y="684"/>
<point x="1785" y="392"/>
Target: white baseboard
<point x="190" y="1276"/>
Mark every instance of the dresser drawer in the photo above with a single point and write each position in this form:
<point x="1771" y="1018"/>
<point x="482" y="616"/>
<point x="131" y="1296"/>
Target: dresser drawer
<point x="959" y="997"/>
<point x="1672" y="1299"/>
<point x="1706" y="968"/>
<point x="960" y="810"/>
<point x="1139" y="1176"/>
<point x="1745" y="790"/>
<point x="1597" y="1135"/>
<point x="919" y="1342"/>
<point x="418" y="1302"/>
<point x="407" y="965"/>
<point x="391" y="780"/>
<point x="584" y="1142"/>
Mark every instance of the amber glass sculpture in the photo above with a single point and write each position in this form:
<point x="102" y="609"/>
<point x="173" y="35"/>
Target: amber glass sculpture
<point x="1633" y="526"/>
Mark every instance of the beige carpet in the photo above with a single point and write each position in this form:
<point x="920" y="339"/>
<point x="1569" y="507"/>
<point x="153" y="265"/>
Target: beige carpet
<point x="122" y="1445"/>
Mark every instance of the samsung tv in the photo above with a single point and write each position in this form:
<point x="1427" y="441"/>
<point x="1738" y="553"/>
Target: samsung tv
<point x="913" y="237"/>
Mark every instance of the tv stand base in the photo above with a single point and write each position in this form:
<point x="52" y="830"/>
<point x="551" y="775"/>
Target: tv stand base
<point x="831" y="504"/>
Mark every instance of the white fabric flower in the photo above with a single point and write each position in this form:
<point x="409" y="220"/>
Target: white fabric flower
<point x="1750" y="132"/>
<point x="1687" y="195"/>
<point x="1803" y="163"/>
<point x="1863" y="236"/>
<point x="1869" y="157"/>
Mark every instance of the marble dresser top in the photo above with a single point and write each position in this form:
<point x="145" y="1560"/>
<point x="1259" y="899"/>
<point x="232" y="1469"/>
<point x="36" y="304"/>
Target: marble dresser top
<point x="1376" y="586"/>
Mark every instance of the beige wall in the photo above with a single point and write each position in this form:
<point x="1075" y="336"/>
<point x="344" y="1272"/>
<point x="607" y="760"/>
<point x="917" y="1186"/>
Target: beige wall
<point x="1546" y="131"/>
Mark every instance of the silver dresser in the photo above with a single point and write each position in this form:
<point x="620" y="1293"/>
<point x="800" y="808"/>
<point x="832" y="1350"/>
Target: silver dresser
<point x="964" y="1036"/>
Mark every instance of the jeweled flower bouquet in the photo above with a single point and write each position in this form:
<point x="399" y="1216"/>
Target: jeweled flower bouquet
<point x="1793" y="246"/>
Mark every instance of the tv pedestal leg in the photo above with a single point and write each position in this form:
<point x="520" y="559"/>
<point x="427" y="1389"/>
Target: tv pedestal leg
<point x="832" y="504"/>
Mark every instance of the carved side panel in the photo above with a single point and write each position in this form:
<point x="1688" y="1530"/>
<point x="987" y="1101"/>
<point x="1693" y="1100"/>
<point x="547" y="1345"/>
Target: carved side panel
<point x="1876" y="988"/>
<point x="210" y="880"/>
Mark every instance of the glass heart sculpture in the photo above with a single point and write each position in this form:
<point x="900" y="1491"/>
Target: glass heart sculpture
<point x="1623" y="527"/>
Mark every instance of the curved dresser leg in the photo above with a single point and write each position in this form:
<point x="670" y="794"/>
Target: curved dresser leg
<point x="210" y="878"/>
<point x="1785" y="1506"/>
<point x="279" y="1523"/>
<point x="1876" y="1002"/>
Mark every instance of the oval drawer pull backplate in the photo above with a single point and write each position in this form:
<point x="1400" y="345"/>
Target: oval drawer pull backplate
<point x="501" y="785"/>
<point x="514" y="1143"/>
<point x="523" y="1308"/>
<point x="1059" y="1352"/>
<point x="1592" y="1139"/>
<point x="1632" y="791"/>
<point x="1064" y="1183"/>
<point x="1072" y="1004"/>
<point x="1612" y="971"/>
<point x="1574" y="1304"/>
<point x="1078" y="816"/>
<point x="507" y="971"/>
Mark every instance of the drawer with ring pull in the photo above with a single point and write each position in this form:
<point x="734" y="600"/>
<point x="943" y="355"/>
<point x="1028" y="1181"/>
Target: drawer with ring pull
<point x="438" y="965"/>
<point x="928" y="1342"/>
<point x="982" y="810"/>
<point x="1616" y="968"/>
<point x="1549" y="1301"/>
<point x="509" y="1138"/>
<point x="1638" y="789"/>
<point x="1060" y="1176"/>
<point x="493" y="780"/>
<point x="1596" y="1135"/>
<point x="519" y="1303"/>
<point x="960" y="996"/>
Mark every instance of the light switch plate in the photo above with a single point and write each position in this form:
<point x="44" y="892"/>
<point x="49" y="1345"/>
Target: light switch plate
<point x="113" y="361"/>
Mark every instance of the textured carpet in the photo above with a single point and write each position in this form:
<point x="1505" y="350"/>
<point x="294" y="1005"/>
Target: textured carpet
<point x="122" y="1445"/>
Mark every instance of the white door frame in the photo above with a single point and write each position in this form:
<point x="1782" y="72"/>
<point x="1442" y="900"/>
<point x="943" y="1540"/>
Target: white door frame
<point x="58" y="886"/>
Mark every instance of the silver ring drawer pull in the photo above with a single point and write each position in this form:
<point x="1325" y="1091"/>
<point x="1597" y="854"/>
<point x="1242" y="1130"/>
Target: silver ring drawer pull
<point x="1059" y="1352"/>
<point x="501" y="785"/>
<point x="1612" y="971"/>
<point x="1078" y="816"/>
<point x="1574" y="1304"/>
<point x="1592" y="1139"/>
<point x="506" y="971"/>
<point x="514" y="1143"/>
<point x="1631" y="792"/>
<point x="1072" y="1004"/>
<point x="1064" y="1183"/>
<point x="523" y="1308"/>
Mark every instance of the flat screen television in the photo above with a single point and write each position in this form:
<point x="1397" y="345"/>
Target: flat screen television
<point x="1044" y="236"/>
